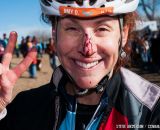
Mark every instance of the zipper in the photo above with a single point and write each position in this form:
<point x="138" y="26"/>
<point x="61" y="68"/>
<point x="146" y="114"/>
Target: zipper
<point x="74" y="125"/>
<point x="103" y="104"/>
<point x="57" y="110"/>
<point x="93" y="118"/>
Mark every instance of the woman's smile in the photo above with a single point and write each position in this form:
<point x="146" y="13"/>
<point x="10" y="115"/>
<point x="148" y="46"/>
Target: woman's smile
<point x="87" y="65"/>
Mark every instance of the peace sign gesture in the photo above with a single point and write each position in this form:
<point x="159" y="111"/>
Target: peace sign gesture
<point x="8" y="77"/>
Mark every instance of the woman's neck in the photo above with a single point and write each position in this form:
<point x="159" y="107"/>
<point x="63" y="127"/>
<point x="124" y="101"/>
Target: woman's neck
<point x="88" y="99"/>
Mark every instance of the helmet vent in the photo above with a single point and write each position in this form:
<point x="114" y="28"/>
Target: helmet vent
<point x="79" y="2"/>
<point x="109" y="0"/>
<point x="92" y="2"/>
<point x="65" y="1"/>
<point x="102" y="6"/>
<point x="127" y="1"/>
<point x="46" y="2"/>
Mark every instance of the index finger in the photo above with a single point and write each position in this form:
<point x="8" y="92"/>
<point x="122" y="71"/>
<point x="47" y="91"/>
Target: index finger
<point x="7" y="57"/>
<point x="20" y="68"/>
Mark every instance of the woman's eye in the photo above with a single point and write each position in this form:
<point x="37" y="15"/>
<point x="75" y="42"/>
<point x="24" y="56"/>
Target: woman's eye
<point x="71" y="29"/>
<point x="102" y="29"/>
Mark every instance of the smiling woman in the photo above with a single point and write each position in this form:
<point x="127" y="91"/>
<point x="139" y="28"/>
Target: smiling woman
<point x="90" y="90"/>
<point x="92" y="48"/>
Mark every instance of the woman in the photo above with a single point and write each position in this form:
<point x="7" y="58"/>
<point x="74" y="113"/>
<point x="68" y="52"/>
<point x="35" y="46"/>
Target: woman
<point x="90" y="90"/>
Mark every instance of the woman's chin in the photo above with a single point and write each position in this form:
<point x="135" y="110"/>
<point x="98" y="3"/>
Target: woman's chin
<point x="86" y="84"/>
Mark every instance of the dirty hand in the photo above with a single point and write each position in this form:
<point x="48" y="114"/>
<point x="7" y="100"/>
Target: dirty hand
<point x="8" y="77"/>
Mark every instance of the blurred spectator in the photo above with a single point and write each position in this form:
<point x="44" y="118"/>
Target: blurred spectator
<point x="1" y="52"/>
<point x="145" y="50"/>
<point x="32" y="67"/>
<point x="39" y="48"/>
<point x="23" y="47"/>
<point x="155" y="51"/>
<point x="5" y="40"/>
<point x="52" y="53"/>
<point x="17" y="52"/>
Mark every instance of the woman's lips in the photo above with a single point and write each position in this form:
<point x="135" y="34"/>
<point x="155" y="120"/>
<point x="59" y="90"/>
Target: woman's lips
<point x="87" y="65"/>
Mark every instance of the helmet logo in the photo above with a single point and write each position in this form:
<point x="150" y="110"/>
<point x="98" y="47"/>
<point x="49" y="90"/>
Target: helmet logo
<point x="85" y="12"/>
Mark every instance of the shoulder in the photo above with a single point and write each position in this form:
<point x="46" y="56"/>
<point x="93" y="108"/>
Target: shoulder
<point x="145" y="92"/>
<point x="37" y="91"/>
<point x="33" y="97"/>
<point x="29" y="107"/>
<point x="155" y="118"/>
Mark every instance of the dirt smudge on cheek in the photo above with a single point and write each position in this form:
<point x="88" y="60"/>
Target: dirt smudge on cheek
<point x="90" y="82"/>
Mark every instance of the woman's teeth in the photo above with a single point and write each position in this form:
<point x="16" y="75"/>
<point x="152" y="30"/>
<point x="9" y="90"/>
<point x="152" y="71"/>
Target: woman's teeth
<point x="87" y="65"/>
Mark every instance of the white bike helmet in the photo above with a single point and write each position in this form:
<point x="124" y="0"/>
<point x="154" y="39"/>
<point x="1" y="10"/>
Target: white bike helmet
<point x="87" y="8"/>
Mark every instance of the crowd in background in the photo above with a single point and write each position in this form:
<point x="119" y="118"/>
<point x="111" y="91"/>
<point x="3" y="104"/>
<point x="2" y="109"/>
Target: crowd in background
<point x="25" y="45"/>
<point x="145" y="52"/>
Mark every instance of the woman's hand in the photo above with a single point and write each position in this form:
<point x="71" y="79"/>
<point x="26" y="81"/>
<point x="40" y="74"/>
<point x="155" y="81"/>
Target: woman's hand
<point x="8" y="77"/>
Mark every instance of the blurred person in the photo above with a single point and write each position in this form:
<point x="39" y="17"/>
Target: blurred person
<point x="51" y="51"/>
<point x="135" y="53"/>
<point x="144" y="51"/>
<point x="158" y="49"/>
<point x="23" y="47"/>
<point x="39" y="55"/>
<point x="39" y="47"/>
<point x="155" y="51"/>
<point x="1" y="42"/>
<point x="17" y="50"/>
<point x="90" y="90"/>
<point x="5" y="40"/>
<point x="1" y="49"/>
<point x="1" y="52"/>
<point x="33" y="67"/>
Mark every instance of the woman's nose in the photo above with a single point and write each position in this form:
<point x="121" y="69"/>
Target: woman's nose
<point x="87" y="46"/>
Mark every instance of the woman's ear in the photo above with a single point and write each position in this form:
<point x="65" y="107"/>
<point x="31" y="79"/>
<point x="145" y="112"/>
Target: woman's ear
<point x="125" y="35"/>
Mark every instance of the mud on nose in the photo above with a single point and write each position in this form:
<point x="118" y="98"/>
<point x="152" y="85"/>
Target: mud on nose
<point x="87" y="46"/>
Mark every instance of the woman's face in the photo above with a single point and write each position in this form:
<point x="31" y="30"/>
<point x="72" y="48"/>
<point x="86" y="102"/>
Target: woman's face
<point x="88" y="48"/>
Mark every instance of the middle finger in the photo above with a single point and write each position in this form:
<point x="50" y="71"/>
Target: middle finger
<point x="7" y="57"/>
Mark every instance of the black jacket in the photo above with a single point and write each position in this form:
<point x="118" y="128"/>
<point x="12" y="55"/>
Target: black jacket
<point x="131" y="101"/>
<point x="31" y="110"/>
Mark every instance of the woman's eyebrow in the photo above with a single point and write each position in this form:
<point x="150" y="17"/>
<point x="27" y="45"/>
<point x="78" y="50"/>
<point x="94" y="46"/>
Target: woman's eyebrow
<point x="71" y="21"/>
<point x="104" y="22"/>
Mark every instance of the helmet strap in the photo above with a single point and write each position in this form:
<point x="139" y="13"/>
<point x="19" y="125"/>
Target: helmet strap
<point x="120" y="20"/>
<point x="56" y="27"/>
<point x="99" y="88"/>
